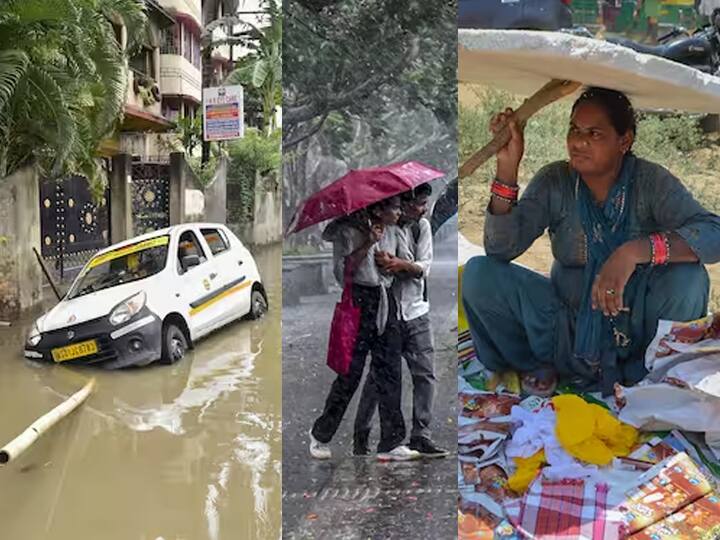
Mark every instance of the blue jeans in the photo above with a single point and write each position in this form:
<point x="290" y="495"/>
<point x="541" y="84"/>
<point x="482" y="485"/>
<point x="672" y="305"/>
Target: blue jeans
<point x="518" y="321"/>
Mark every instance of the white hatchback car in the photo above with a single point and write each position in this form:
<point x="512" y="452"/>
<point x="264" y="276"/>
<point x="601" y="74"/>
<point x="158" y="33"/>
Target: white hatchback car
<point x="150" y="298"/>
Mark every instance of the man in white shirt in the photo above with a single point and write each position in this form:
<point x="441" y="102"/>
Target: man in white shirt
<point x="411" y="268"/>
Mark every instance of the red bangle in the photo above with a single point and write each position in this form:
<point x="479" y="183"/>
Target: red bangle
<point x="504" y="191"/>
<point x="659" y="249"/>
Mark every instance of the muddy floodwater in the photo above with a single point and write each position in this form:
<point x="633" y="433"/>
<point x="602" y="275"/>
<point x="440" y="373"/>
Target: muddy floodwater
<point x="190" y="451"/>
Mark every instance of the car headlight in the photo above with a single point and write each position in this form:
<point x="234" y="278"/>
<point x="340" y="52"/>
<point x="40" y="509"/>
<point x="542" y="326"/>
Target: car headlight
<point x="34" y="336"/>
<point x="127" y="309"/>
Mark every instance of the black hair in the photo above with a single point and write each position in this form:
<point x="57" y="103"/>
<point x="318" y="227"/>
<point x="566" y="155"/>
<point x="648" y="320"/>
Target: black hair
<point x="379" y="206"/>
<point x="423" y="190"/>
<point x="615" y="104"/>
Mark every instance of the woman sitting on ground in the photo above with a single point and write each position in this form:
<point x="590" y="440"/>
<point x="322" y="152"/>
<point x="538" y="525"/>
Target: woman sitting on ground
<point x="629" y="243"/>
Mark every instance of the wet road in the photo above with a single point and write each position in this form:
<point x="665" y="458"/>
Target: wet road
<point x="184" y="452"/>
<point x="350" y="497"/>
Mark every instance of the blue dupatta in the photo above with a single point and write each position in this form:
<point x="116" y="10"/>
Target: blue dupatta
<point x="606" y="229"/>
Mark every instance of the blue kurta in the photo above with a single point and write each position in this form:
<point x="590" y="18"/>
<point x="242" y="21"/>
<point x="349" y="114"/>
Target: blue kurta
<point x="521" y="320"/>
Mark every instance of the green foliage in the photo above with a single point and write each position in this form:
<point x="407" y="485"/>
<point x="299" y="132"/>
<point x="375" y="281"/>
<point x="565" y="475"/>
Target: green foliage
<point x="253" y="154"/>
<point x="189" y="131"/>
<point x="365" y="83"/>
<point x="204" y="172"/>
<point x="261" y="71"/>
<point x="668" y="140"/>
<point x="252" y="157"/>
<point x="363" y="59"/>
<point x="252" y="97"/>
<point x="146" y="95"/>
<point x="62" y="81"/>
<point x="544" y="134"/>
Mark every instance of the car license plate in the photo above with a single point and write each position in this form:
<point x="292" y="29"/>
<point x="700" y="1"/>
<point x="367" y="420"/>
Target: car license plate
<point x="77" y="350"/>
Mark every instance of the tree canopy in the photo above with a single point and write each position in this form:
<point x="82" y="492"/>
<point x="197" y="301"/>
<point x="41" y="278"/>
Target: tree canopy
<point x="358" y="58"/>
<point x="62" y="80"/>
<point x="364" y="83"/>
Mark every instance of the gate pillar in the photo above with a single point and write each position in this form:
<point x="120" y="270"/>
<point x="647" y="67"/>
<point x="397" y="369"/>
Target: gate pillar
<point x="178" y="180"/>
<point x="121" y="223"/>
<point x="20" y="273"/>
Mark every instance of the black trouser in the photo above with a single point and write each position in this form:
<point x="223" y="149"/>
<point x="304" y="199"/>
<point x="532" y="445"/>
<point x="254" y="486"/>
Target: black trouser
<point x="385" y="367"/>
<point x="417" y="349"/>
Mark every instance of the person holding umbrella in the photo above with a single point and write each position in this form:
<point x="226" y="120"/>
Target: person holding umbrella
<point x="410" y="269"/>
<point x="629" y="241"/>
<point x="365" y="207"/>
<point x="357" y="241"/>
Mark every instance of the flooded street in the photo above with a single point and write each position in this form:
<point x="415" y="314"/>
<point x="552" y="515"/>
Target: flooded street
<point x="189" y="451"/>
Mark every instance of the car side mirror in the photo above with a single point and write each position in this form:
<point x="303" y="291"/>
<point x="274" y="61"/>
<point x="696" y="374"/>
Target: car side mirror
<point x="188" y="261"/>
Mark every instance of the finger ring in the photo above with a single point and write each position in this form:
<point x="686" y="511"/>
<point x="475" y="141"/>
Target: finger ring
<point x="610" y="292"/>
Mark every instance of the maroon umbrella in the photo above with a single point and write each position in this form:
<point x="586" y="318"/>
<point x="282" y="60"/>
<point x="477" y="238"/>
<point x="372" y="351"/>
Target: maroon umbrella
<point x="359" y="189"/>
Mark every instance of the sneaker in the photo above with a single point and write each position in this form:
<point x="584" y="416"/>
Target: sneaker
<point x="319" y="450"/>
<point x="427" y="448"/>
<point x="399" y="453"/>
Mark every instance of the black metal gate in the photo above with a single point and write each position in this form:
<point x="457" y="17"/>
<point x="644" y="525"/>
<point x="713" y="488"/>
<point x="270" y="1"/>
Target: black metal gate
<point x="150" y="195"/>
<point x="73" y="223"/>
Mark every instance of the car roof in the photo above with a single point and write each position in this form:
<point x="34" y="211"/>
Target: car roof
<point x="154" y="234"/>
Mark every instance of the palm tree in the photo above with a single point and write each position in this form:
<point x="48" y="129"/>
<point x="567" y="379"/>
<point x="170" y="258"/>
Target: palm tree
<point x="62" y="81"/>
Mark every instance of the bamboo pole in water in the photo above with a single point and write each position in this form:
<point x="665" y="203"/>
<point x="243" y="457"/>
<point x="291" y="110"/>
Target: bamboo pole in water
<point x="21" y="443"/>
<point x="551" y="92"/>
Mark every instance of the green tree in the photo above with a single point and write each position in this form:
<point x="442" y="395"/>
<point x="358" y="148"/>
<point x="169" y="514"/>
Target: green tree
<point x="189" y="132"/>
<point x="254" y="157"/>
<point x="262" y="70"/>
<point x="365" y="83"/>
<point x="62" y="80"/>
<point x="348" y="57"/>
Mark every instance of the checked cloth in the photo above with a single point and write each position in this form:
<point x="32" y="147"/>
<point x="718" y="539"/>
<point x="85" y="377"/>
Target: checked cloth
<point x="566" y="510"/>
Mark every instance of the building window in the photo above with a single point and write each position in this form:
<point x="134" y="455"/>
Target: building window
<point x="171" y="112"/>
<point x="143" y="62"/>
<point x="196" y="52"/>
<point x="188" y="44"/>
<point x="171" y="40"/>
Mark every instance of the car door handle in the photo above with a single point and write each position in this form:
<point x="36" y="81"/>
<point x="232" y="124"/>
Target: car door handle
<point x="213" y="275"/>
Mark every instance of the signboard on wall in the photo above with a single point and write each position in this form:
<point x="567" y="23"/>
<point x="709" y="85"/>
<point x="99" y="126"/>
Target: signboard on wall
<point x="223" y="113"/>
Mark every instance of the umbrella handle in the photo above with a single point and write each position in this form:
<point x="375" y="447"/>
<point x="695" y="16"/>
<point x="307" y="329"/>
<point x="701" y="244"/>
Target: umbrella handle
<point x="554" y="90"/>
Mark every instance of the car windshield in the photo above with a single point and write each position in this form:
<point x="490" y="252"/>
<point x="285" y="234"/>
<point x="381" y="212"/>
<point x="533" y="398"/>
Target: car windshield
<point x="122" y="265"/>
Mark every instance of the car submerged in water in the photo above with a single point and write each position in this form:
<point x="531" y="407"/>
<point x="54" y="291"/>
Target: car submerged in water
<point x="151" y="298"/>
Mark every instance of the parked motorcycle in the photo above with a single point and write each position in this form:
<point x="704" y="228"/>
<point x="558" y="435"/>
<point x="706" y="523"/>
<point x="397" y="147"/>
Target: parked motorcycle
<point x="701" y="50"/>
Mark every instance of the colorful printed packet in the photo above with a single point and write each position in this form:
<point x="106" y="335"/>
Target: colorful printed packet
<point x="487" y="404"/>
<point x="666" y="488"/>
<point x="699" y="520"/>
